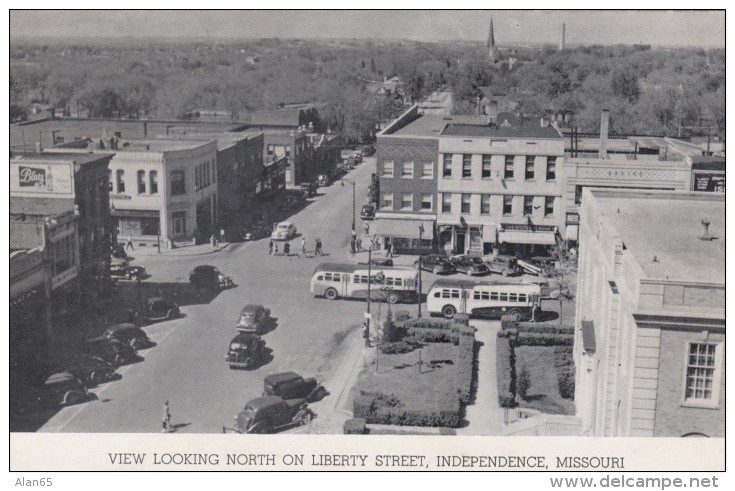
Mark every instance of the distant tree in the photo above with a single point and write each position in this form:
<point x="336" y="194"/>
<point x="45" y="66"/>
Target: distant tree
<point x="625" y="84"/>
<point x="372" y="65"/>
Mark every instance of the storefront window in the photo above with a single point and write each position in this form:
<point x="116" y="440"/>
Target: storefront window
<point x="149" y="226"/>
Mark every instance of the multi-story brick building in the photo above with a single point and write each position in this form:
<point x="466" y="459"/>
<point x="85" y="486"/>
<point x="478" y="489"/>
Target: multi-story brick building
<point x="297" y="147"/>
<point x="650" y="314"/>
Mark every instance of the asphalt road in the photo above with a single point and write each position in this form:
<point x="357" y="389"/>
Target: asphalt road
<point x="187" y="365"/>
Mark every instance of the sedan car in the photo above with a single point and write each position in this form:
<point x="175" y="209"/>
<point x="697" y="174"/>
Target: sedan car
<point x="253" y="318"/>
<point x="290" y="385"/>
<point x="271" y="413"/>
<point x="367" y="212"/>
<point x="129" y="334"/>
<point x="209" y="277"/>
<point x="469" y="265"/>
<point x="112" y="350"/>
<point x="91" y="370"/>
<point x="256" y="231"/>
<point x="125" y="271"/>
<point x="63" y="388"/>
<point x="436" y="263"/>
<point x="284" y="231"/>
<point x="246" y="351"/>
<point x="505" y="265"/>
<point x="157" y="309"/>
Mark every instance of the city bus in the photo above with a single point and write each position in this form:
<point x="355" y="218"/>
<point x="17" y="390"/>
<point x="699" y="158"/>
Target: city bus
<point x="484" y="299"/>
<point x="342" y="280"/>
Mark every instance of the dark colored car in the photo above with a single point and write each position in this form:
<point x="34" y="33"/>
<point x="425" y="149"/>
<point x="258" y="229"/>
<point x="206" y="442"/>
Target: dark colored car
<point x="309" y="189"/>
<point x="436" y="263"/>
<point x="129" y="334"/>
<point x="112" y="350"/>
<point x="246" y="351"/>
<point x="158" y="309"/>
<point x="125" y="271"/>
<point x="118" y="251"/>
<point x="271" y="413"/>
<point x="505" y="265"/>
<point x="63" y="389"/>
<point x="256" y="231"/>
<point x="209" y="277"/>
<point x="379" y="262"/>
<point x="290" y="385"/>
<point x="323" y="180"/>
<point x="367" y="212"/>
<point x="91" y="370"/>
<point x="469" y="265"/>
<point x="253" y="318"/>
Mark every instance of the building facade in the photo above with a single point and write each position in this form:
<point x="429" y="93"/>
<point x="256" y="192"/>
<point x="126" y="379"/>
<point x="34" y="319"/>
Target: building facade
<point x="296" y="146"/>
<point x="650" y="315"/>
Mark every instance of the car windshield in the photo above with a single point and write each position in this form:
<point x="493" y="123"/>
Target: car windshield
<point x="248" y="314"/>
<point x="282" y="226"/>
<point x="236" y="346"/>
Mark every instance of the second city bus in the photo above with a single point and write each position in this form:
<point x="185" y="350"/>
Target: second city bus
<point x="484" y="299"/>
<point x="342" y="280"/>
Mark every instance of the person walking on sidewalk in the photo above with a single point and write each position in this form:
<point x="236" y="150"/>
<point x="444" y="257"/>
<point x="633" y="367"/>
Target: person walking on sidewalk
<point x="166" y="418"/>
<point x="303" y="247"/>
<point x="358" y="244"/>
<point x="389" y="249"/>
<point x="318" y="247"/>
<point x="275" y="248"/>
<point x="270" y="247"/>
<point x="129" y="243"/>
<point x="286" y="248"/>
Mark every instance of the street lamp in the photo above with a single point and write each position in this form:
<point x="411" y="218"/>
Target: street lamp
<point x="353" y="200"/>
<point x="421" y="235"/>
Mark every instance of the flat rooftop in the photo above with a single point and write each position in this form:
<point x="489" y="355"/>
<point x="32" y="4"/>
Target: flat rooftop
<point x="668" y="226"/>
<point x="526" y="131"/>
<point x="431" y="125"/>
<point x="77" y="158"/>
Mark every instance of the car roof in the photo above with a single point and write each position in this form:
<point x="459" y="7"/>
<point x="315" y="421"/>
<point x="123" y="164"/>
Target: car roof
<point x="252" y="307"/>
<point x="264" y="401"/>
<point x="276" y="378"/>
<point x="285" y="223"/>
<point x="60" y="377"/>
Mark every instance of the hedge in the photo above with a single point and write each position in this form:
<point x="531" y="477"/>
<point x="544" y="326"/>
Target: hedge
<point x="507" y="322"/>
<point x="428" y="323"/>
<point x="355" y="426"/>
<point x="532" y="327"/>
<point x="465" y="363"/>
<point x="504" y="363"/>
<point x="543" y="339"/>
<point x="565" y="373"/>
<point x="430" y="335"/>
<point x="378" y="408"/>
<point x="401" y="315"/>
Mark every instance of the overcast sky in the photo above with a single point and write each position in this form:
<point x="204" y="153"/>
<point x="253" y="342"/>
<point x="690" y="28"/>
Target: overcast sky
<point x="667" y="28"/>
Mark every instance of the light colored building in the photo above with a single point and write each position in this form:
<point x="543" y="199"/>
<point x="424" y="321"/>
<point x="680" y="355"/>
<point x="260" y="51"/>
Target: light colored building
<point x="650" y="314"/>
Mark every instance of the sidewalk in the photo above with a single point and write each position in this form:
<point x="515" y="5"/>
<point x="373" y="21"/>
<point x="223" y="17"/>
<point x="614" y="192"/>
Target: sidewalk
<point x="190" y="250"/>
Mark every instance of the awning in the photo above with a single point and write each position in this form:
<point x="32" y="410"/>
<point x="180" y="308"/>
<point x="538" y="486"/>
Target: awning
<point x="408" y="229"/>
<point x="527" y="237"/>
<point x="134" y="213"/>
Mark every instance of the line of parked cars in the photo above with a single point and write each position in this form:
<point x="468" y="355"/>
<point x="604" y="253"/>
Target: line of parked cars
<point x="469" y="265"/>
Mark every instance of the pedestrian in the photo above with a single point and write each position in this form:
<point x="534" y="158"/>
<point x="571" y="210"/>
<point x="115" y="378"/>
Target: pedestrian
<point x="366" y="332"/>
<point x="286" y="248"/>
<point x="303" y="246"/>
<point x="352" y="245"/>
<point x="270" y="247"/>
<point x="358" y="244"/>
<point x="318" y="247"/>
<point x="366" y="226"/>
<point x="166" y="418"/>
<point x="354" y="234"/>
<point x="129" y="243"/>
<point x="213" y="241"/>
<point x="389" y="249"/>
<point x="221" y="235"/>
<point x="275" y="248"/>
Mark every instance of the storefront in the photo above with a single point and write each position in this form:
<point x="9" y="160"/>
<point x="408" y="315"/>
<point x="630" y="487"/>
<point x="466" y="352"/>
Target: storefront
<point x="462" y="238"/>
<point x="526" y="240"/>
<point x="142" y="227"/>
<point x="405" y="236"/>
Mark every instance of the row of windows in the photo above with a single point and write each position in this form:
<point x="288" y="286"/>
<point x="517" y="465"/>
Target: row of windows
<point x="427" y="203"/>
<point x="388" y="280"/>
<point x="204" y="175"/>
<point x="427" y="168"/>
<point x="484" y="295"/>
<point x="407" y="170"/>
<point x="145" y="186"/>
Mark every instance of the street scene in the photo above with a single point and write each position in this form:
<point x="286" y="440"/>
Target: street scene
<point x="312" y="236"/>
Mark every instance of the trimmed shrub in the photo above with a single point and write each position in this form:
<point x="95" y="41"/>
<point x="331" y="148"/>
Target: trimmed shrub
<point x="401" y="315"/>
<point x="428" y="323"/>
<point x="430" y="335"/>
<point x="524" y="381"/>
<point x="465" y="359"/>
<point x="355" y="426"/>
<point x="396" y="347"/>
<point x="543" y="339"/>
<point x="389" y="410"/>
<point x="463" y="319"/>
<point x="504" y="363"/>
<point x="429" y="330"/>
<point x="532" y="327"/>
<point x="507" y="322"/>
<point x="565" y="373"/>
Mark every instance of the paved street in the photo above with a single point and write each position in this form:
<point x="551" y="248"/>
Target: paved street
<point x="187" y="366"/>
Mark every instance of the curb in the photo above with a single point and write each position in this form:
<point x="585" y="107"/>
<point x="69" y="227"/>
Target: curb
<point x="170" y="253"/>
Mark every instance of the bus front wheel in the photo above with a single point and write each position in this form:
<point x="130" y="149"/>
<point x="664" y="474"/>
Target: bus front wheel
<point x="330" y="294"/>
<point x="448" y="311"/>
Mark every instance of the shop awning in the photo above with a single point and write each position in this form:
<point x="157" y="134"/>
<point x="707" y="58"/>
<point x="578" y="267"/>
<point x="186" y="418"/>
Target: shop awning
<point x="408" y="229"/>
<point x="134" y="213"/>
<point x="527" y="237"/>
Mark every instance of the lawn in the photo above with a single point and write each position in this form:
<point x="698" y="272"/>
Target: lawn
<point x="399" y="374"/>
<point x="543" y="393"/>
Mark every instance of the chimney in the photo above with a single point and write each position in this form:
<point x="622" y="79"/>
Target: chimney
<point x="604" y="129"/>
<point x="145" y="129"/>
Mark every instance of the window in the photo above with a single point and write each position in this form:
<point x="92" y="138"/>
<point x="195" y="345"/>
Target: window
<point x="530" y="171"/>
<point x="578" y="195"/>
<point x="503" y="297"/>
<point x="427" y="202"/>
<point x="270" y="150"/>
<point x="446" y="202"/>
<point x="427" y="170"/>
<point x="466" y="203"/>
<point x="507" y="205"/>
<point x="528" y="205"/>
<point x="493" y="295"/>
<point x="486" y="167"/>
<point x="149" y="226"/>
<point x="466" y="165"/>
<point x="153" y="177"/>
<point x="387" y="169"/>
<point x="141" y="182"/>
<point x="548" y="206"/>
<point x="120" y="181"/>
<point x="178" y="182"/>
<point x="703" y="374"/>
<point x="407" y="170"/>
<point x="522" y="298"/>
<point x="214" y="171"/>
<point x="484" y="204"/>
<point x="407" y="201"/>
<point x="387" y="201"/>
<point x="509" y="166"/>
<point x="287" y="150"/>
<point x="512" y="297"/>
<point x="447" y="165"/>
<point x="109" y="175"/>
<point x="551" y="168"/>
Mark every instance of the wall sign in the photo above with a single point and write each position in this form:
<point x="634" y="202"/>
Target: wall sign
<point x="527" y="228"/>
<point x="41" y="178"/>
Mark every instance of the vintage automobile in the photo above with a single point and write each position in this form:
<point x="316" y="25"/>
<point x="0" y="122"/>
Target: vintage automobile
<point x="290" y="385"/>
<point x="157" y="309"/>
<point x="129" y="334"/>
<point x="309" y="189"/>
<point x="469" y="265"/>
<point x="367" y="212"/>
<point x="112" y="350"/>
<point x="323" y="180"/>
<point x="253" y="318"/>
<point x="63" y="389"/>
<point x="246" y="351"/>
<point x="378" y="262"/>
<point x="125" y="271"/>
<point x="505" y="265"/>
<point x="436" y="263"/>
<point x="368" y="150"/>
<point x="209" y="277"/>
<point x="256" y="231"/>
<point x="118" y="251"/>
<point x="284" y="231"/>
<point x="268" y="414"/>
<point x="91" y="370"/>
<point x="357" y="156"/>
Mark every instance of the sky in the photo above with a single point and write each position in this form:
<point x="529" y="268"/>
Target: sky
<point x="519" y="27"/>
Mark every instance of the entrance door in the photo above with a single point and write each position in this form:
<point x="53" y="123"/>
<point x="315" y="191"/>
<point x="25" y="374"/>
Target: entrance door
<point x="459" y="244"/>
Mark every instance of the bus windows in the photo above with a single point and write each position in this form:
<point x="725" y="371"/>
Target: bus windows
<point x="320" y="278"/>
<point x="493" y="295"/>
<point x="485" y="295"/>
<point x="455" y="293"/>
<point x="512" y="297"/>
<point x="437" y="294"/>
<point x="476" y="295"/>
<point x="522" y="297"/>
<point x="328" y="276"/>
<point x="503" y="297"/>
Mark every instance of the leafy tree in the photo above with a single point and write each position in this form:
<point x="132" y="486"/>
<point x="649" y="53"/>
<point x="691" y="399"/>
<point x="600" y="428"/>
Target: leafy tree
<point x="625" y="84"/>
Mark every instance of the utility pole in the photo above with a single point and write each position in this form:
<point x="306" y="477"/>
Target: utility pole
<point x="421" y="235"/>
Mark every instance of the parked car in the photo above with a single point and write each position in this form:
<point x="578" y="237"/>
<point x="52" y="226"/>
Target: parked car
<point x="271" y="413"/>
<point x="209" y="277"/>
<point x="253" y="318"/>
<point x="505" y="265"/>
<point x="309" y="189"/>
<point x="118" y="251"/>
<point x="256" y="231"/>
<point x="368" y="150"/>
<point x="323" y="180"/>
<point x="129" y="334"/>
<point x="125" y="271"/>
<point x="63" y="389"/>
<point x="436" y="263"/>
<point x="290" y="385"/>
<point x="469" y="265"/>
<point x="157" y="309"/>
<point x="378" y="262"/>
<point x="284" y="231"/>
<point x="357" y="156"/>
<point x="291" y="202"/>
<point x="367" y="212"/>
<point x="246" y="351"/>
<point x="91" y="370"/>
<point x="112" y="350"/>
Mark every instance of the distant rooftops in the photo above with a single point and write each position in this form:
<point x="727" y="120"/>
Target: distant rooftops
<point x="526" y="130"/>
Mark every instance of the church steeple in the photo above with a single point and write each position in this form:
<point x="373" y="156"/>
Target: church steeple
<point x="493" y="50"/>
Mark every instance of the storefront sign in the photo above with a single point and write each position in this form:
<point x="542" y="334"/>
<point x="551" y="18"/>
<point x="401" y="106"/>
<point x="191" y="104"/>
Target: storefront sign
<point x="528" y="228"/>
<point x="40" y="178"/>
<point x="120" y="196"/>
